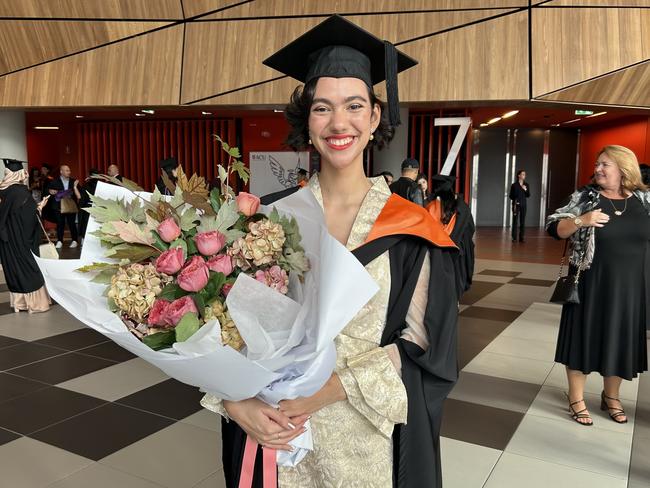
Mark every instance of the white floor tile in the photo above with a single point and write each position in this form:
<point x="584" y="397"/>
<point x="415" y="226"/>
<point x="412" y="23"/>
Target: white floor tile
<point x="513" y="471"/>
<point x="99" y="476"/>
<point x="205" y="419"/>
<point x="455" y="455"/>
<point x="215" y="480"/>
<point x="34" y="326"/>
<point x="570" y="444"/>
<point x="163" y="459"/>
<point x="594" y="384"/>
<point x="117" y="381"/>
<point x="523" y="348"/>
<point x="510" y="367"/>
<point x="26" y="463"/>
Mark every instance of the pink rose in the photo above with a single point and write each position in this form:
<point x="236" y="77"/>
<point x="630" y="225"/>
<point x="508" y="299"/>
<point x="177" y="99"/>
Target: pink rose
<point x="178" y="308"/>
<point x="194" y="275"/>
<point x="209" y="243"/>
<point x="247" y="203"/>
<point x="275" y="277"/>
<point x="169" y="230"/>
<point x="171" y="261"/>
<point x="225" y="289"/>
<point x="158" y="314"/>
<point x="221" y="264"/>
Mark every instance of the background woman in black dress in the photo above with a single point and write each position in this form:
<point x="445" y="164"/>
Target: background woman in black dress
<point x="608" y="225"/>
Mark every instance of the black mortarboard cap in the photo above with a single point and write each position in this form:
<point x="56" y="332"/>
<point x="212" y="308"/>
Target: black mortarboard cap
<point x="338" y="48"/>
<point x="442" y="183"/>
<point x="13" y="164"/>
<point x="168" y="164"/>
<point x="410" y="163"/>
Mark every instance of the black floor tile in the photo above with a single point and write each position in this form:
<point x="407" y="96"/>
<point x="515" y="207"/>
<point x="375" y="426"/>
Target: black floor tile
<point x="25" y="353"/>
<point x="43" y="408"/>
<point x="498" y="272"/>
<point x="530" y="282"/>
<point x="6" y="436"/>
<point x="62" y="368"/>
<point x="5" y="308"/>
<point x="479" y="290"/>
<point x="77" y="339"/>
<point x="474" y="335"/>
<point x="490" y="314"/>
<point x="103" y="431"/>
<point x="3" y="287"/>
<point x="478" y="424"/>
<point x="169" y="398"/>
<point x="9" y="341"/>
<point x="12" y="387"/>
<point x="108" y="350"/>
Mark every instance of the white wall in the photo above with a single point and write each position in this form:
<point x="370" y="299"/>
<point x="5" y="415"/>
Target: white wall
<point x="13" y="143"/>
<point x="390" y="158"/>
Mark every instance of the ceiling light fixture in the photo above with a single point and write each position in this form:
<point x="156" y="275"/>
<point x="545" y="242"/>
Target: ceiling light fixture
<point x="140" y="115"/>
<point x="278" y="111"/>
<point x="46" y="127"/>
<point x="148" y="111"/>
<point x="597" y="115"/>
<point x="484" y="124"/>
<point x="494" y="120"/>
<point x="510" y="114"/>
<point x="206" y="113"/>
<point x="78" y="116"/>
<point x="571" y="121"/>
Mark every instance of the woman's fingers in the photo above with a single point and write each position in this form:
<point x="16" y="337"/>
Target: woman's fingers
<point x="279" y="418"/>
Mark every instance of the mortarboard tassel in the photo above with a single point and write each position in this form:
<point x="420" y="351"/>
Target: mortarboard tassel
<point x="392" y="92"/>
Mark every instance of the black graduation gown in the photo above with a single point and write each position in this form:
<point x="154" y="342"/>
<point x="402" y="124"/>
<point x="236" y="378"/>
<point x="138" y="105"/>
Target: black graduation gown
<point x="463" y="235"/>
<point x="20" y="235"/>
<point x="427" y="375"/>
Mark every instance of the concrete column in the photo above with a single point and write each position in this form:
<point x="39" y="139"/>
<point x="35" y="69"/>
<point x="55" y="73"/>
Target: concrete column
<point x="13" y="141"/>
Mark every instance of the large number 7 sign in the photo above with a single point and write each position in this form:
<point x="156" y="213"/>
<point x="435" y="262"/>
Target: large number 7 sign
<point x="464" y="123"/>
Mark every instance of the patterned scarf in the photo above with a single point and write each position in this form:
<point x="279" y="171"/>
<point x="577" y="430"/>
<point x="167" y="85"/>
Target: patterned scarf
<point x="583" y="241"/>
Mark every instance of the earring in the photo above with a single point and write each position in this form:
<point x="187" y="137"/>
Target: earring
<point x="372" y="137"/>
<point x="309" y="142"/>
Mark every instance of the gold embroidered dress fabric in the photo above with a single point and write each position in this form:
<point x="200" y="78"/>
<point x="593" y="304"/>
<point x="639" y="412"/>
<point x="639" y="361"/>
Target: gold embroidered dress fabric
<point x="352" y="438"/>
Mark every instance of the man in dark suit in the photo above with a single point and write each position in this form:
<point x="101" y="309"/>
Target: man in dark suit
<point x="406" y="186"/>
<point x="114" y="171"/>
<point x="519" y="192"/>
<point x="65" y="193"/>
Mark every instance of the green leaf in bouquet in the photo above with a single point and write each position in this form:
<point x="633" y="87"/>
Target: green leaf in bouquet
<point x="133" y="252"/>
<point x="158" y="242"/>
<point x="206" y="223"/>
<point x="234" y="152"/>
<point x="89" y="268"/>
<point x="295" y="261"/>
<point x="191" y="247"/>
<point x="112" y="306"/>
<point x="227" y="216"/>
<point x="160" y="340"/>
<point x="200" y="304"/>
<point x="107" y="210"/>
<point x="133" y="233"/>
<point x="241" y="169"/>
<point x="292" y="234"/>
<point x="223" y="174"/>
<point x="177" y="199"/>
<point x="212" y="289"/>
<point x="124" y="183"/>
<point x="180" y="242"/>
<point x="156" y="196"/>
<point x="187" y="326"/>
<point x="135" y="209"/>
<point x="232" y="235"/>
<point x="172" y="292"/>
<point x="107" y="239"/>
<point x="274" y="216"/>
<point x="215" y="199"/>
<point x="188" y="219"/>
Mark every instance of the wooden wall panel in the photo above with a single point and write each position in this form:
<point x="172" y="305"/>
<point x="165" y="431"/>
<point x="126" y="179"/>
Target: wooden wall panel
<point x="629" y="87"/>
<point x="225" y="38"/>
<point x="275" y="8"/>
<point x="574" y="45"/>
<point x="598" y="3"/>
<point x="141" y="71"/>
<point x="93" y="9"/>
<point x="198" y="7"/>
<point x="26" y="43"/>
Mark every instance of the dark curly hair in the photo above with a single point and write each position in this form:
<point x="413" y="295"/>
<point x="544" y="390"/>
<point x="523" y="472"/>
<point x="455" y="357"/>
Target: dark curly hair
<point x="297" y="114"/>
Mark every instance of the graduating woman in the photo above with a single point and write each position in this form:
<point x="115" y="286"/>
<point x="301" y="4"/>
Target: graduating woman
<point x="20" y="236"/>
<point x="376" y="422"/>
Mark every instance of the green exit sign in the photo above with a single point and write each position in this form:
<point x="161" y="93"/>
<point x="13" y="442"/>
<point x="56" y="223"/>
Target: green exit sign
<point x="584" y="112"/>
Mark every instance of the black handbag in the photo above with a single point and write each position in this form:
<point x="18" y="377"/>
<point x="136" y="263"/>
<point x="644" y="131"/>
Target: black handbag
<point x="566" y="289"/>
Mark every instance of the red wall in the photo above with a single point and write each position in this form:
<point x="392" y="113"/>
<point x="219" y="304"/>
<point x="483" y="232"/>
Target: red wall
<point x="54" y="147"/>
<point x="633" y="133"/>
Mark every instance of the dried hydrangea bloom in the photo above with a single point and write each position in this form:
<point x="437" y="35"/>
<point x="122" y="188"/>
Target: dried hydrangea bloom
<point x="261" y="246"/>
<point x="229" y="334"/>
<point x="134" y="288"/>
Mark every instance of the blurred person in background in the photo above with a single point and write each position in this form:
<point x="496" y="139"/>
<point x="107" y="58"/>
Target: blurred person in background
<point x="65" y="193"/>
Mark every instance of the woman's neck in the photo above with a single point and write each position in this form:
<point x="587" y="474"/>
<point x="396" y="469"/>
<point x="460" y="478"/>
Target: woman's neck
<point x="614" y="192"/>
<point x="343" y="186"/>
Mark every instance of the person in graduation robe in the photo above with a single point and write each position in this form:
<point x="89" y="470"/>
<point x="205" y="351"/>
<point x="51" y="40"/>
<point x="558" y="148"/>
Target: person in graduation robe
<point x="20" y="236"/>
<point x="456" y="218"/>
<point x="170" y="167"/>
<point x="376" y="421"/>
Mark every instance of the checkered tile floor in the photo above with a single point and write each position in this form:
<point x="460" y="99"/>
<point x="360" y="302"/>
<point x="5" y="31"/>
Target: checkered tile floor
<point x="77" y="411"/>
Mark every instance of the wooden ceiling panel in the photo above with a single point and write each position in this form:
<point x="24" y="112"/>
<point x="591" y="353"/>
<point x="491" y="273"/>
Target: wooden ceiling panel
<point x="141" y="71"/>
<point x="574" y="45"/>
<point x="264" y="37"/>
<point x="276" y="8"/>
<point x="192" y="8"/>
<point x="92" y="9"/>
<point x="629" y="87"/>
<point x="26" y="43"/>
<point x="597" y="3"/>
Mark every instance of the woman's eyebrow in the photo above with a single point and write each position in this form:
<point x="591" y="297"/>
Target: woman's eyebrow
<point x="347" y="100"/>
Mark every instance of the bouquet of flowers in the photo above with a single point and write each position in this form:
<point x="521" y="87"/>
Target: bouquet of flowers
<point x="179" y="258"/>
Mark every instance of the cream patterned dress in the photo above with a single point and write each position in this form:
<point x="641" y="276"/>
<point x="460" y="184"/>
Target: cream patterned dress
<point x="352" y="438"/>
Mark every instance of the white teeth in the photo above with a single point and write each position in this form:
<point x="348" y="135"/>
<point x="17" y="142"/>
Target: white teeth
<point x="340" y="142"/>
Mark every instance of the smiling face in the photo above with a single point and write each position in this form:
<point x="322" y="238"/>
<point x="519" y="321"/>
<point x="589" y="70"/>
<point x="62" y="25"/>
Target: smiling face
<point x="607" y="173"/>
<point x="341" y="120"/>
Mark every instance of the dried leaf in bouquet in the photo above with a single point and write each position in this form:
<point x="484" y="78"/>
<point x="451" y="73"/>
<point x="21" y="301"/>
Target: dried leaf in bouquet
<point x="196" y="185"/>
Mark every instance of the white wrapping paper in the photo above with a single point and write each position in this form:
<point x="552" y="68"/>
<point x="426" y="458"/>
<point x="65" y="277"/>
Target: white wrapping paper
<point x="290" y="349"/>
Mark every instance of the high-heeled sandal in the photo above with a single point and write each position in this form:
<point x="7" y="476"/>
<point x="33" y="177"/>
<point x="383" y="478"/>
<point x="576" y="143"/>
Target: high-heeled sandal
<point x="617" y="412"/>
<point x="576" y="415"/>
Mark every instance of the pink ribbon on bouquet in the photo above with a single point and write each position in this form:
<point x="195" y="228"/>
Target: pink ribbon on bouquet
<point x="269" y="470"/>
